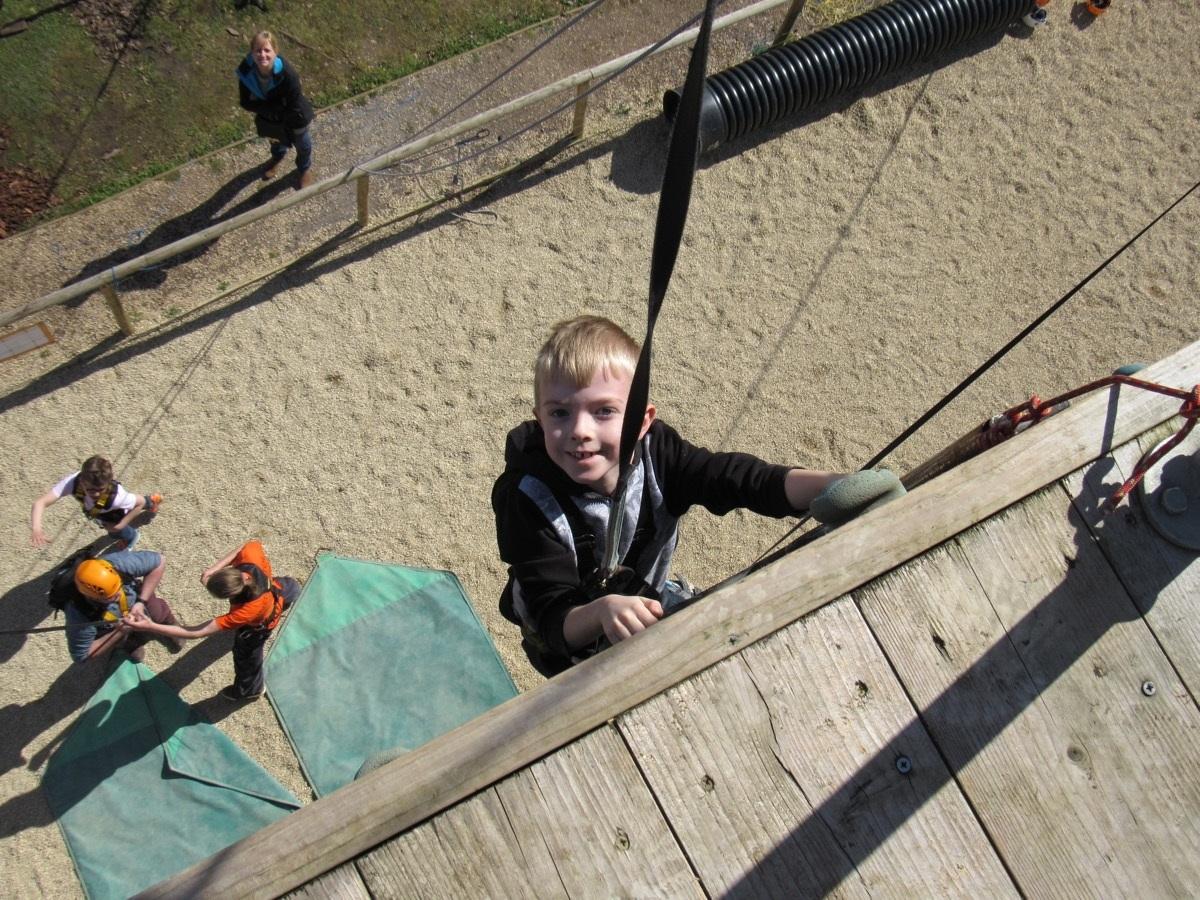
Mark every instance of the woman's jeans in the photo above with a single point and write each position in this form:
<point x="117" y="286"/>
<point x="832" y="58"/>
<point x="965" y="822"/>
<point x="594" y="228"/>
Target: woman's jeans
<point x="302" y="141"/>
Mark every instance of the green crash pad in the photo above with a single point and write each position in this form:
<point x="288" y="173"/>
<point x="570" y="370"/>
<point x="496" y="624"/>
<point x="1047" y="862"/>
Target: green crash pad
<point x="376" y="656"/>
<point x="142" y="787"/>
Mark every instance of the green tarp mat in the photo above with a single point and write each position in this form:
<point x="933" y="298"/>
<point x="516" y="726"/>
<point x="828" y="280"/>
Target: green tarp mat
<point x="374" y="657"/>
<point x="142" y="787"/>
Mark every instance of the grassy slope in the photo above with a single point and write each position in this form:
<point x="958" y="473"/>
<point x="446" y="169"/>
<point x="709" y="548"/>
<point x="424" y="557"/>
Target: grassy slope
<point x="65" y="108"/>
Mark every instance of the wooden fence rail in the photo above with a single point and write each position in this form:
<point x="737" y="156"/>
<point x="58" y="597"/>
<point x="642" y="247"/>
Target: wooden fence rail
<point x="108" y="281"/>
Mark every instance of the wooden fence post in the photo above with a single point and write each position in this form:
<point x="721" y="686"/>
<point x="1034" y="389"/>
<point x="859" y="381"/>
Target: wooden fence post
<point x="364" y="201"/>
<point x="581" y="101"/>
<point x="789" y="19"/>
<point x="118" y="311"/>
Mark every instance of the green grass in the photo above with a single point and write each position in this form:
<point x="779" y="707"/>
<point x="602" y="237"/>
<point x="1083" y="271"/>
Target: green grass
<point x="829" y="12"/>
<point x="95" y="127"/>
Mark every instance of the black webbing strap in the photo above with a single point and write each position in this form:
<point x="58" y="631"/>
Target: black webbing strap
<point x="683" y="151"/>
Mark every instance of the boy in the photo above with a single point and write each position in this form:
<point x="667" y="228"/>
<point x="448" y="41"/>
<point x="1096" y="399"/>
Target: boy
<point x="553" y="500"/>
<point x="102" y="498"/>
<point x="108" y="588"/>
<point x="257" y="601"/>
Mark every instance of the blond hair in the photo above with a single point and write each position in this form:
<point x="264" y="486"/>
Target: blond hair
<point x="579" y="348"/>
<point x="266" y="36"/>
<point x="225" y="583"/>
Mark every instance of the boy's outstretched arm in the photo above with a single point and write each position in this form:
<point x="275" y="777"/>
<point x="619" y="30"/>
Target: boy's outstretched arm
<point x="38" y="536"/>
<point x="615" y="616"/>
<point x="142" y="622"/>
<point x="802" y="485"/>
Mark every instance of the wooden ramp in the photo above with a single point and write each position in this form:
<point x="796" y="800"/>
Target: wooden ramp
<point x="983" y="689"/>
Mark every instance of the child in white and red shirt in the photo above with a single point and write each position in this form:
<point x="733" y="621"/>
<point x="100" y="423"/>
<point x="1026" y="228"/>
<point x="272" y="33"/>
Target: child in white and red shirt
<point x="102" y="499"/>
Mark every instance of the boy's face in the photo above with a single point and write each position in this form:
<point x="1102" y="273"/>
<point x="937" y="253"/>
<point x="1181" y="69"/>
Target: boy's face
<point x="264" y="56"/>
<point x="583" y="427"/>
<point x="93" y="489"/>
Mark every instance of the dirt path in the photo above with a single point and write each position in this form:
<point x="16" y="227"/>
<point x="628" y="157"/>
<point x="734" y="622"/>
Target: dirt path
<point x="837" y="277"/>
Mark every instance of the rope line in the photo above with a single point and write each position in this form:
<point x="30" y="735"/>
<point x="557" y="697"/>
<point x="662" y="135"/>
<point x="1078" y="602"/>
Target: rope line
<point x="1024" y="333"/>
<point x="771" y="554"/>
<point x="591" y="8"/>
<point x="480" y="90"/>
<point x="683" y="153"/>
<point x="563" y="106"/>
<point x="47" y="628"/>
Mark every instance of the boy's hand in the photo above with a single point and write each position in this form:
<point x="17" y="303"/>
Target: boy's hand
<point x="615" y="616"/>
<point x="39" y="538"/>
<point x="622" y="616"/>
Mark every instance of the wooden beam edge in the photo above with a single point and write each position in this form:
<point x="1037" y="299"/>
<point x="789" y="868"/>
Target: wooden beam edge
<point x="454" y="766"/>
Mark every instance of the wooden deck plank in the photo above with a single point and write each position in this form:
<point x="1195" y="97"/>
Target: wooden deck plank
<point x="467" y="851"/>
<point x="580" y="823"/>
<point x="457" y="764"/>
<point x="1027" y="658"/>
<point x="592" y="809"/>
<point x="778" y="770"/>
<point x="342" y="883"/>
<point x="1162" y="578"/>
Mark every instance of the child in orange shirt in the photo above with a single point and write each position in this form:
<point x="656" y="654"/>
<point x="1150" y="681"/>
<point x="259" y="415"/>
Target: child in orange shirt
<point x="257" y="600"/>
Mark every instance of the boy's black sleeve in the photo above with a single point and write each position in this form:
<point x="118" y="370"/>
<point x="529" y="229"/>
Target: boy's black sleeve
<point x="538" y="561"/>
<point x="719" y="482"/>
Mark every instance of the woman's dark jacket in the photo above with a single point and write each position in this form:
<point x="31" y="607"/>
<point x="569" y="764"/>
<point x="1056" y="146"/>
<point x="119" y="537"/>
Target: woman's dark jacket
<point x="283" y="102"/>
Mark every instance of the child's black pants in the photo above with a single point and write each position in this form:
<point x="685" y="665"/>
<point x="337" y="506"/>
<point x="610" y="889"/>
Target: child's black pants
<point x="248" y="645"/>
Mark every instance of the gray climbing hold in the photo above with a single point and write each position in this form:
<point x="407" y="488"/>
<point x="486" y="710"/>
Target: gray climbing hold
<point x="379" y="759"/>
<point x="855" y="494"/>
<point x="1129" y="369"/>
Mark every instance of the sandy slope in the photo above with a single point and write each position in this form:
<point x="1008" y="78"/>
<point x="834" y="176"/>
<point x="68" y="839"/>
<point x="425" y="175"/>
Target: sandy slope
<point x="836" y="279"/>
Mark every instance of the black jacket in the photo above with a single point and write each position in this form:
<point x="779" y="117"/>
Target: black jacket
<point x="284" y="99"/>
<point x="538" y="511"/>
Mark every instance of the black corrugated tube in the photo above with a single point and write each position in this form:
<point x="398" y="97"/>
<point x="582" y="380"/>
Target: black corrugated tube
<point x="846" y="56"/>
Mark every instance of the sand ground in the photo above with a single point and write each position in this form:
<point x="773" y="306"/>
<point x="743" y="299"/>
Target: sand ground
<point x="839" y="274"/>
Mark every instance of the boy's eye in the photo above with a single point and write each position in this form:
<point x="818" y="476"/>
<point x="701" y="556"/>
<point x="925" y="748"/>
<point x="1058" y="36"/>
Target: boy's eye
<point x="558" y="413"/>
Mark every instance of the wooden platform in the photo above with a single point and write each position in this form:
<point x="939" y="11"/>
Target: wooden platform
<point x="983" y="689"/>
